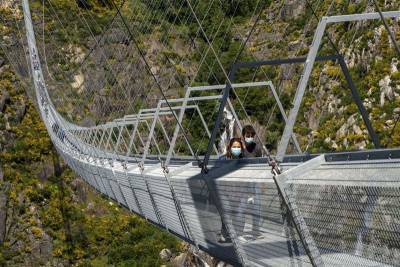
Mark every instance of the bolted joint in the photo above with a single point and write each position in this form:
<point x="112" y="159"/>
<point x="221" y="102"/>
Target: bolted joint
<point x="203" y="167"/>
<point x="141" y="167"/>
<point x="275" y="168"/>
<point x="164" y="167"/>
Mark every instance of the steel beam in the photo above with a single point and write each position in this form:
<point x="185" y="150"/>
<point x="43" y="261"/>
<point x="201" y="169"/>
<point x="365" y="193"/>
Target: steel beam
<point x="309" y="66"/>
<point x="359" y="103"/>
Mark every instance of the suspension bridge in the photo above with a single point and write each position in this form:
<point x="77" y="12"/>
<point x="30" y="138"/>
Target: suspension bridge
<point x="333" y="209"/>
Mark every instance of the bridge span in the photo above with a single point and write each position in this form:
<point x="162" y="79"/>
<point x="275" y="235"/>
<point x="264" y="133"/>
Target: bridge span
<point x="337" y="209"/>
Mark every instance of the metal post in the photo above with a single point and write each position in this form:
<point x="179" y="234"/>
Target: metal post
<point x="120" y="129"/>
<point x="131" y="141"/>
<point x="308" y="66"/>
<point x="108" y="139"/>
<point x="217" y="123"/>
<point x="278" y="102"/>
<point x="152" y="136"/>
<point x="205" y="127"/>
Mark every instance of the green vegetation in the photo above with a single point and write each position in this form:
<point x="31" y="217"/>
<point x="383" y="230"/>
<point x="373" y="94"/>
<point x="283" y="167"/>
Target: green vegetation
<point x="49" y="207"/>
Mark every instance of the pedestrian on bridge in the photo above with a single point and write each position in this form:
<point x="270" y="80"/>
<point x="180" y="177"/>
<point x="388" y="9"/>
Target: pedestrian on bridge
<point x="252" y="148"/>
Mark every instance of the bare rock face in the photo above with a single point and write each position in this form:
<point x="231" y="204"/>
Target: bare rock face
<point x="292" y="9"/>
<point x="78" y="81"/>
<point x="387" y="91"/>
<point x="347" y="127"/>
<point x="4" y="99"/>
<point x="42" y="248"/>
<point x="46" y="171"/>
<point x="80" y="188"/>
<point x="20" y="112"/>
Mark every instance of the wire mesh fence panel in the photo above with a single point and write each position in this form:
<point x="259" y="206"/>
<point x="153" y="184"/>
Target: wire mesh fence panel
<point x="350" y="211"/>
<point x="103" y="172"/>
<point x="143" y="196"/>
<point x="98" y="179"/>
<point x="201" y="214"/>
<point x="117" y="192"/>
<point x="127" y="191"/>
<point x="257" y="219"/>
<point x="168" y="208"/>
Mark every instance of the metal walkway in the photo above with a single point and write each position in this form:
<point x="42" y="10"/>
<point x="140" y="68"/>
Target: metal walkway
<point x="349" y="207"/>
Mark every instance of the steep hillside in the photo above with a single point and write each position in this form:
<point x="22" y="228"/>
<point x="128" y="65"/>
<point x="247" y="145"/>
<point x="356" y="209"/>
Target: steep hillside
<point x="49" y="216"/>
<point x="95" y="72"/>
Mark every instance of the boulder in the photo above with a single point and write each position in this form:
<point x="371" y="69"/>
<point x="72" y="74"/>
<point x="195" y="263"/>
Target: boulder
<point x="292" y="9"/>
<point x="387" y="91"/>
<point x="393" y="65"/>
<point x="357" y="130"/>
<point x="165" y="254"/>
<point x="342" y="132"/>
<point x="361" y="145"/>
<point x="179" y="260"/>
<point x="78" y="81"/>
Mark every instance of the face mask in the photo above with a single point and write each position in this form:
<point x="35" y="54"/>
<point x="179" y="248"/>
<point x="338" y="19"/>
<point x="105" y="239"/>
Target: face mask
<point x="249" y="140"/>
<point x="236" y="151"/>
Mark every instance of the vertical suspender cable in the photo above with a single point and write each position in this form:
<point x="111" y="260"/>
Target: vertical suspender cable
<point x="148" y="68"/>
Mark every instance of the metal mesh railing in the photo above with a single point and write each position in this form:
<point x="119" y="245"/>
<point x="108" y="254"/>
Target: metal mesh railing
<point x="350" y="209"/>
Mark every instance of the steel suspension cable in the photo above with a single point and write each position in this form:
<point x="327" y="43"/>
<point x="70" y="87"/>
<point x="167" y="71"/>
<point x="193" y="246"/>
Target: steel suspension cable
<point x="228" y="81"/>
<point x="153" y="76"/>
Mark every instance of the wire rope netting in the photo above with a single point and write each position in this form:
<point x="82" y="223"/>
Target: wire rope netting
<point x="147" y="77"/>
<point x="104" y="60"/>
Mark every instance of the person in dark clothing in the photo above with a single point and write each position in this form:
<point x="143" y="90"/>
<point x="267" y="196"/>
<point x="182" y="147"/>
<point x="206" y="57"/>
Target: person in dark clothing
<point x="251" y="202"/>
<point x="252" y="149"/>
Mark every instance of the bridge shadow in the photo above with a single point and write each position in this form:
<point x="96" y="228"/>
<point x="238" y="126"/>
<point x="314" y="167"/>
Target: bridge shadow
<point x="216" y="199"/>
<point x="260" y="230"/>
<point x="206" y="210"/>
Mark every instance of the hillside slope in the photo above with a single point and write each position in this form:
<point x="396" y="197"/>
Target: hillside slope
<point x="48" y="215"/>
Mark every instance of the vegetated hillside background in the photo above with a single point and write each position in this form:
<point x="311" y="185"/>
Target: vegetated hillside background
<point x="94" y="71"/>
<point x="50" y="216"/>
